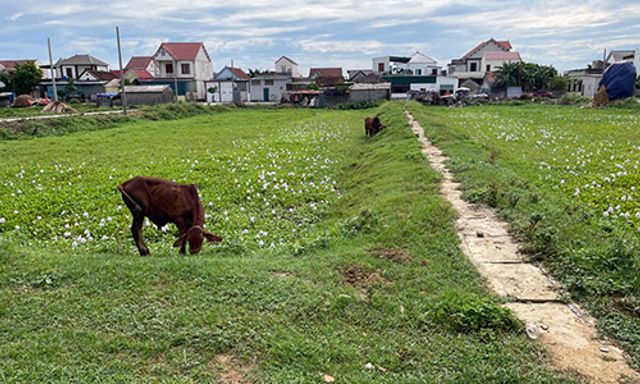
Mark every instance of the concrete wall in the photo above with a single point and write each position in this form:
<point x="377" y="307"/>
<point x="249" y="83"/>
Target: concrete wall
<point x="150" y="98"/>
<point x="368" y="95"/>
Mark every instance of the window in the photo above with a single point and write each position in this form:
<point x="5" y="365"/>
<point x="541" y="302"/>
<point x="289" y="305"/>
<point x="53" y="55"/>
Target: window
<point x="418" y="72"/>
<point x="488" y="67"/>
<point x="255" y="82"/>
<point x="268" y="82"/>
<point x="380" y="67"/>
<point x="185" y="69"/>
<point x="168" y="68"/>
<point x="473" y="67"/>
<point x="434" y="71"/>
<point x="70" y="72"/>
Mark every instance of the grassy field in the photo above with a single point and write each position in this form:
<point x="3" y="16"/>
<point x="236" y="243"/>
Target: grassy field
<point x="7" y="113"/>
<point x="568" y="180"/>
<point x="339" y="258"/>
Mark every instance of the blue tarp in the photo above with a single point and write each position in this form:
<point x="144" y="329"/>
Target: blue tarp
<point x="620" y="80"/>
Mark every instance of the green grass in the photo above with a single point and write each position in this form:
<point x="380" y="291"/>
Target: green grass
<point x="567" y="179"/>
<point x="7" y="113"/>
<point x="318" y="302"/>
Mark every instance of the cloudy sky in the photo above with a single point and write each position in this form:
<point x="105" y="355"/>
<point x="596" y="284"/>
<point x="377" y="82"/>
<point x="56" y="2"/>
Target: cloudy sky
<point x="343" y="33"/>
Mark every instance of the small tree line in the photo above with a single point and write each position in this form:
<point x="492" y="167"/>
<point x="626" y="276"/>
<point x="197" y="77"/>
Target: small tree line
<point x="530" y="76"/>
<point x="23" y="78"/>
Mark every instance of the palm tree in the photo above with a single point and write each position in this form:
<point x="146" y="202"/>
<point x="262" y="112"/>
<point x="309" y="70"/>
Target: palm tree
<point x="510" y="75"/>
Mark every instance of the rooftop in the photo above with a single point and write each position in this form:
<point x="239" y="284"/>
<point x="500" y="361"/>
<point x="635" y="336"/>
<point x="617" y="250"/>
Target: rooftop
<point x="81" y="60"/>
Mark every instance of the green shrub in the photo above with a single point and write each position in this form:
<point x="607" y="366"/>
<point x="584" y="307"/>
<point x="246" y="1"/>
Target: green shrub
<point x="470" y="313"/>
<point x="358" y="105"/>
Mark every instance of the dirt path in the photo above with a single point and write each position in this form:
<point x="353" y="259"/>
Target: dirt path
<point x="567" y="332"/>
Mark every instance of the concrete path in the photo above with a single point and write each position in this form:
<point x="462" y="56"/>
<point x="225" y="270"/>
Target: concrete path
<point x="567" y="332"/>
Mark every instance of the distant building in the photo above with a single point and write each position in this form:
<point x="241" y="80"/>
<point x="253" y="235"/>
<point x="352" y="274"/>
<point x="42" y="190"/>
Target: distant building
<point x="142" y="65"/>
<point x="72" y="67"/>
<point x="286" y="65"/>
<point x="269" y="86"/>
<point x="417" y="64"/>
<point x="326" y="77"/>
<point x="231" y="86"/>
<point x="584" y="81"/>
<point x="487" y="56"/>
<point x="186" y="63"/>
<point x="148" y="94"/>
<point x="9" y="65"/>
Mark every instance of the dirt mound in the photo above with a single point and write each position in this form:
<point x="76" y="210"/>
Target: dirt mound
<point x="23" y="101"/>
<point x="231" y="370"/>
<point x="394" y="254"/>
<point x="358" y="276"/>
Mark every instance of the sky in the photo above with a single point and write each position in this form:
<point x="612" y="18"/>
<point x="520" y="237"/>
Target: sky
<point x="345" y="33"/>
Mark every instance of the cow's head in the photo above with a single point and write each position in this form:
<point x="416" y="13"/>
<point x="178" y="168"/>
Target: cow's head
<point x="195" y="237"/>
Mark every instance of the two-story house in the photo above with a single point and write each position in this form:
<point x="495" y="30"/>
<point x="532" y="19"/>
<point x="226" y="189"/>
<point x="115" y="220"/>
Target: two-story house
<point x="186" y="64"/>
<point x="487" y="56"/>
<point x="72" y="67"/>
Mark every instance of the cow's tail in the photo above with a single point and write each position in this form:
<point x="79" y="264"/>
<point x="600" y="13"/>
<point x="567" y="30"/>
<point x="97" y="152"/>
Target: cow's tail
<point x="126" y="195"/>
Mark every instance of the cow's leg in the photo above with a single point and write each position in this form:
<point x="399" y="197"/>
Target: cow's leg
<point x="182" y="234"/>
<point x="136" y="231"/>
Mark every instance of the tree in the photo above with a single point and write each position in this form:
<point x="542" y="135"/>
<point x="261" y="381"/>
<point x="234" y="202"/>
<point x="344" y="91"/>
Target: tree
<point x="70" y="88"/>
<point x="529" y="76"/>
<point x="313" y="86"/>
<point x="559" y="83"/>
<point x="25" y="77"/>
<point x="510" y="75"/>
<point x="6" y="80"/>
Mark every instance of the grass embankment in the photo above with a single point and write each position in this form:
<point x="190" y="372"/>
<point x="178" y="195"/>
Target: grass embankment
<point x="568" y="181"/>
<point x="372" y="274"/>
<point x="26" y="129"/>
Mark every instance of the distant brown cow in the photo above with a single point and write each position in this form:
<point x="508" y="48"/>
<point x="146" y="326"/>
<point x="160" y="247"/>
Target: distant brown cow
<point x="163" y="202"/>
<point x="372" y="126"/>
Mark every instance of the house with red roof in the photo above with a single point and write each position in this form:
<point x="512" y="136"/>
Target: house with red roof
<point x="326" y="77"/>
<point x="230" y="85"/>
<point x="9" y="65"/>
<point x="186" y="63"/>
<point x="485" y="57"/>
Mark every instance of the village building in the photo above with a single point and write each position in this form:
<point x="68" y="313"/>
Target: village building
<point x="287" y="65"/>
<point x="484" y="58"/>
<point x="9" y="65"/>
<point x="72" y="67"/>
<point x="148" y="94"/>
<point x="326" y="77"/>
<point x="269" y="86"/>
<point x="584" y="81"/>
<point x="230" y="85"/>
<point x="185" y="64"/>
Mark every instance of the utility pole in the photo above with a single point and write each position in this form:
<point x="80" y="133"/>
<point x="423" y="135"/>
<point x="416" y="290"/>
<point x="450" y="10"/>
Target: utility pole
<point x="124" y="92"/>
<point x="175" y="77"/>
<point x="53" y="72"/>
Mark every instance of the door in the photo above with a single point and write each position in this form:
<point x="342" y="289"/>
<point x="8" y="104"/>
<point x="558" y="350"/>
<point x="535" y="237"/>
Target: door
<point x="265" y="94"/>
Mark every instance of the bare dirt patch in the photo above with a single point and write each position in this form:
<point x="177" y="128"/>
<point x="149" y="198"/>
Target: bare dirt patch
<point x="232" y="370"/>
<point x="393" y="254"/>
<point x="359" y="276"/>
<point x="281" y="274"/>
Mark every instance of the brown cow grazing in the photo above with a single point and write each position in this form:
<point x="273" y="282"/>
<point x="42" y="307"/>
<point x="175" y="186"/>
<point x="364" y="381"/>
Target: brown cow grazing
<point x="372" y="126"/>
<point x="163" y="202"/>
